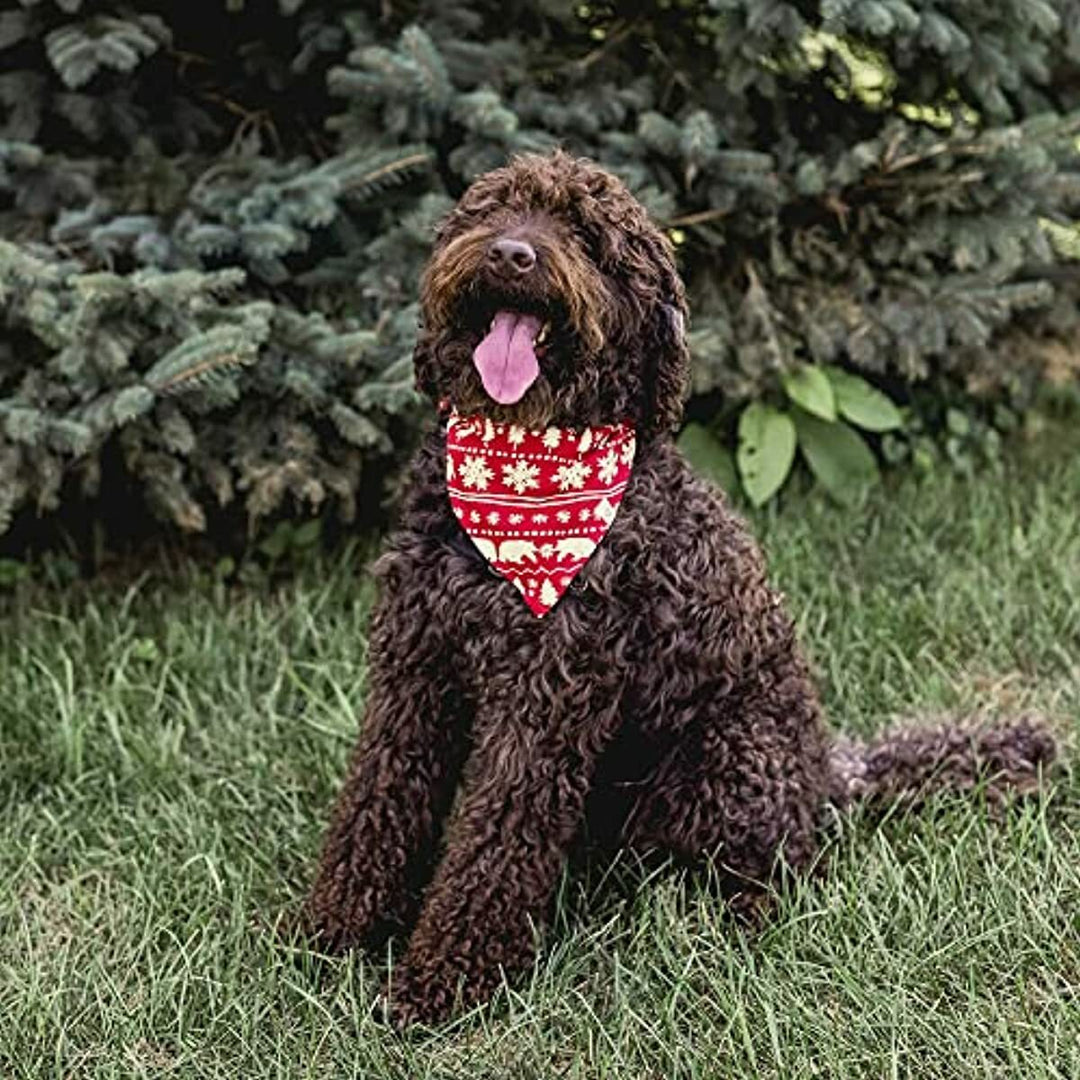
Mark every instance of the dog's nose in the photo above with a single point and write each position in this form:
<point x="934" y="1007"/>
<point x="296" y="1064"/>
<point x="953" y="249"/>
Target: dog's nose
<point x="512" y="256"/>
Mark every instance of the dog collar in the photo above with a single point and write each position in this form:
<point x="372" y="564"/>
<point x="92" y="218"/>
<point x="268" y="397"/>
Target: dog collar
<point x="536" y="503"/>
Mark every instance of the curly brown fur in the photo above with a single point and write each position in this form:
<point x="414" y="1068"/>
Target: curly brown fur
<point x="662" y="705"/>
<point x="913" y="762"/>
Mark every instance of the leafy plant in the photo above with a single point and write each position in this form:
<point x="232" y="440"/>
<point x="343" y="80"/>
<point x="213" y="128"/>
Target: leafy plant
<point x="766" y="450"/>
<point x="824" y="410"/>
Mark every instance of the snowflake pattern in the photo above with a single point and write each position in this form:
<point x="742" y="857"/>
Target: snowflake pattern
<point x="607" y="467"/>
<point x="536" y="502"/>
<point x="572" y="475"/>
<point x="522" y="476"/>
<point x="475" y="473"/>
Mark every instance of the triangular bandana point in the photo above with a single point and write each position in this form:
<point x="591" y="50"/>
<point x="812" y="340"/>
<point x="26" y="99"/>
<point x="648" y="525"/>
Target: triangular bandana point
<point x="536" y="504"/>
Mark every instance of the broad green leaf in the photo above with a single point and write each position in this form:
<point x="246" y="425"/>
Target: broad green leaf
<point x="277" y="543"/>
<point x="306" y="534"/>
<point x="837" y="455"/>
<point x="708" y="456"/>
<point x="957" y="422"/>
<point x="809" y="387"/>
<point x="864" y="405"/>
<point x="766" y="450"/>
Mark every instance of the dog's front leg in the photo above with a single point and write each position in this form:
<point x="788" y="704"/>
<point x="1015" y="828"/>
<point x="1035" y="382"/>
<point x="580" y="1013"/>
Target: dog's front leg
<point x="523" y="801"/>
<point x="400" y="781"/>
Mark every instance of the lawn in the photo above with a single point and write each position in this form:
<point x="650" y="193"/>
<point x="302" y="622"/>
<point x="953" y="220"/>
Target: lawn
<point x="169" y="750"/>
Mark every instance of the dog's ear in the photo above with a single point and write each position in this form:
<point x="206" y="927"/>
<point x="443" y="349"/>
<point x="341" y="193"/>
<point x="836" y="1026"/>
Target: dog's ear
<point x="667" y="366"/>
<point x="657" y="312"/>
<point x="425" y="364"/>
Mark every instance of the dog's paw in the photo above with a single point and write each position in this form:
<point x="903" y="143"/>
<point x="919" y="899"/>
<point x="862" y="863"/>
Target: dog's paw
<point x="319" y="931"/>
<point x="411" y="998"/>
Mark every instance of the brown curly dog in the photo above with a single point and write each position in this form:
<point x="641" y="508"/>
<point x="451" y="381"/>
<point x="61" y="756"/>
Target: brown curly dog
<point x="663" y="704"/>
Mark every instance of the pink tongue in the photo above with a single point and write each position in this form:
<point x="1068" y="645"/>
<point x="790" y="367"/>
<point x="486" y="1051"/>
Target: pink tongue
<point x="506" y="359"/>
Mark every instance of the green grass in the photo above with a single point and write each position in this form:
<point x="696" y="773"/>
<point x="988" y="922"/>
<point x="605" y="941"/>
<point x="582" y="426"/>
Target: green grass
<point x="168" y="753"/>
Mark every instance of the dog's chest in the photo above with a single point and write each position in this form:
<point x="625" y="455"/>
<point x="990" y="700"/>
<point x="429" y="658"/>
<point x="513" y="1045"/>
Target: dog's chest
<point x="600" y="620"/>
<point x="498" y="636"/>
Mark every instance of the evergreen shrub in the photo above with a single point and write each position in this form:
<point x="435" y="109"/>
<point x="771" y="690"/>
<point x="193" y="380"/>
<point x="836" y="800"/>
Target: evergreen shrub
<point x="213" y="216"/>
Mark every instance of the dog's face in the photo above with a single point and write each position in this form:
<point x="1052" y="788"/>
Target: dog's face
<point x="551" y="298"/>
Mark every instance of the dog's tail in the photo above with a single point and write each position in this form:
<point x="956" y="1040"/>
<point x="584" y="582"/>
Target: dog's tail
<point x="913" y="761"/>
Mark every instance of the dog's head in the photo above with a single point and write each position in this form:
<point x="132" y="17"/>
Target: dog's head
<point x="551" y="298"/>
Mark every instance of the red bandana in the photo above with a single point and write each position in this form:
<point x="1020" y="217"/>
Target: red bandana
<point x="536" y="503"/>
